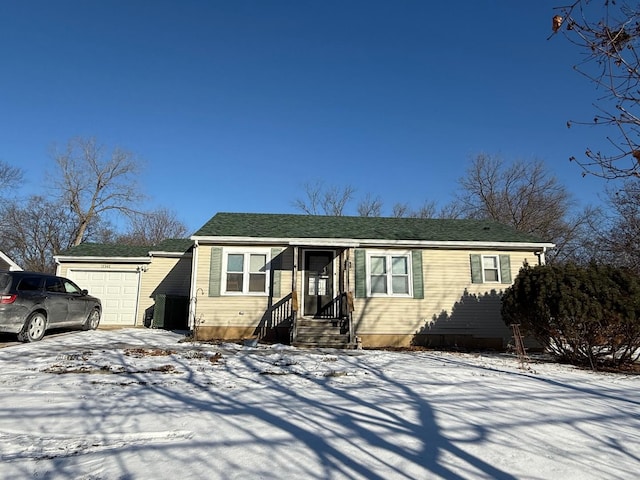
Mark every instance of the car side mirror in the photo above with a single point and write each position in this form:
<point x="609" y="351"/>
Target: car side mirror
<point x="85" y="291"/>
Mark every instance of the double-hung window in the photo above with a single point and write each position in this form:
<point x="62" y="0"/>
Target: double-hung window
<point x="245" y="272"/>
<point x="389" y="274"/>
<point x="490" y="268"/>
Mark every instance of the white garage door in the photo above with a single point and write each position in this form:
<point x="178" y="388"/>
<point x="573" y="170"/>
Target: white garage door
<point x="118" y="292"/>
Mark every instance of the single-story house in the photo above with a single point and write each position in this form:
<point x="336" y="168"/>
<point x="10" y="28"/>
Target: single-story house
<point x="6" y="263"/>
<point x="317" y="280"/>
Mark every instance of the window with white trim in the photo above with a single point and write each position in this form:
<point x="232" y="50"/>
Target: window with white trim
<point x="389" y="274"/>
<point x="490" y="269"/>
<point x="245" y="272"/>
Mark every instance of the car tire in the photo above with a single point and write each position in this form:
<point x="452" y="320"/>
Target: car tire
<point x="34" y="328"/>
<point x="92" y="321"/>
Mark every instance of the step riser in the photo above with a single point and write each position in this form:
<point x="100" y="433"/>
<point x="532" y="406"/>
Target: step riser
<point x="321" y="333"/>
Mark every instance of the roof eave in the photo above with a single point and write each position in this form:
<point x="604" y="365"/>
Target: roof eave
<point x="97" y="259"/>
<point x="160" y="253"/>
<point x="353" y="243"/>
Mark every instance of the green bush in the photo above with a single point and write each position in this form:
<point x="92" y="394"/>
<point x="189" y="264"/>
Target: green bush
<point x="582" y="314"/>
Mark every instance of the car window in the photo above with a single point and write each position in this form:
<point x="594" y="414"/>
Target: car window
<point x="54" y="285"/>
<point x="5" y="281"/>
<point x="29" y="284"/>
<point x="71" y="287"/>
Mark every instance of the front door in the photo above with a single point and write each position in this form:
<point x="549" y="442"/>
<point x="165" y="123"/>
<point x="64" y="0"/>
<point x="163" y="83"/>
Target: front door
<point x="318" y="287"/>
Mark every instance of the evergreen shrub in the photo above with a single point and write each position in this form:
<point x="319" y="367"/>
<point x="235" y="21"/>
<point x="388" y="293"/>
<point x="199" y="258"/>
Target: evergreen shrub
<point x="587" y="315"/>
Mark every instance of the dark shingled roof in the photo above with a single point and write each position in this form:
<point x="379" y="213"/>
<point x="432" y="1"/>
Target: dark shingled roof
<point x="262" y="225"/>
<point x="176" y="245"/>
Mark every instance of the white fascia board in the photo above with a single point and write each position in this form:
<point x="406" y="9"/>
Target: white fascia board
<point x="458" y="244"/>
<point x="241" y="240"/>
<point x="353" y="243"/>
<point x="324" y="242"/>
<point x="61" y="258"/>
<point x="170" y="254"/>
<point x="12" y="265"/>
<point x="308" y="242"/>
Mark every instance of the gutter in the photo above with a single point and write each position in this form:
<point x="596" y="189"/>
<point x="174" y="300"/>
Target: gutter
<point x="355" y="243"/>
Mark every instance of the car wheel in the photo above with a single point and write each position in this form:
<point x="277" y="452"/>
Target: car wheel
<point x="34" y="328"/>
<point x="92" y="321"/>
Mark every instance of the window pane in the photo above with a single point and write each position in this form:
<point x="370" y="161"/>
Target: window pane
<point x="378" y="266"/>
<point x="257" y="263"/>
<point x="490" y="275"/>
<point x="234" y="282"/>
<point x="235" y="262"/>
<point x="257" y="282"/>
<point x="490" y="262"/>
<point x="400" y="284"/>
<point x="399" y="265"/>
<point x="378" y="284"/>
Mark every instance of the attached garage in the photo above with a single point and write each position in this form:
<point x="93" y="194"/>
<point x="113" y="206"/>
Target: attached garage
<point x="118" y="291"/>
<point x="129" y="279"/>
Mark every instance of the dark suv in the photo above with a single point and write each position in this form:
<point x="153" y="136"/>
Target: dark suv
<point x="31" y="303"/>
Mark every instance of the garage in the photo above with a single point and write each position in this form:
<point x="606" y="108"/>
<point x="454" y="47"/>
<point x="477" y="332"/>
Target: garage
<point x="118" y="291"/>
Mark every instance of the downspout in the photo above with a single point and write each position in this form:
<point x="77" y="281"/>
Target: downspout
<point x="140" y="269"/>
<point x="192" y="289"/>
<point x="541" y="256"/>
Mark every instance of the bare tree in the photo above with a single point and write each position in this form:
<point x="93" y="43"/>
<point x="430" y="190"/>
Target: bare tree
<point x="311" y="204"/>
<point x="150" y="228"/>
<point x="523" y="195"/>
<point x="400" y="210"/>
<point x="429" y="209"/>
<point x="91" y="182"/>
<point x="10" y="177"/>
<point x="370" y="206"/>
<point x="321" y="200"/>
<point x="607" y="33"/>
<point x="35" y="231"/>
<point x="620" y="240"/>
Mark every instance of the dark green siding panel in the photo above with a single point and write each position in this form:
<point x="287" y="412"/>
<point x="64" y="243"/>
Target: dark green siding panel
<point x="418" y="281"/>
<point x="361" y="273"/>
<point x="505" y="269"/>
<point x="476" y="268"/>
<point x="215" y="272"/>
<point x="276" y="272"/>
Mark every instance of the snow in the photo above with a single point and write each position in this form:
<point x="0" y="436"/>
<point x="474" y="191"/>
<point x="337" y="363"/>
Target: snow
<point x="138" y="404"/>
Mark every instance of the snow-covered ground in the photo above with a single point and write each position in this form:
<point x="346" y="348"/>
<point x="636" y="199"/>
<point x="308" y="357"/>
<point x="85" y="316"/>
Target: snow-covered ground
<point x="140" y="404"/>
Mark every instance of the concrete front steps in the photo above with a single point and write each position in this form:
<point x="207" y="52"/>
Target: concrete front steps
<point x="321" y="333"/>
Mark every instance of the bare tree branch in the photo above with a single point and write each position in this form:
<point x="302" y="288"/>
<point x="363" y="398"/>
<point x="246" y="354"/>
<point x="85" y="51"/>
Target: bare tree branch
<point x="33" y="231"/>
<point x="607" y="34"/>
<point x="10" y="177"/>
<point x="321" y="200"/>
<point x="523" y="195"/>
<point x="150" y="228"/>
<point x="92" y="183"/>
<point x="370" y="206"/>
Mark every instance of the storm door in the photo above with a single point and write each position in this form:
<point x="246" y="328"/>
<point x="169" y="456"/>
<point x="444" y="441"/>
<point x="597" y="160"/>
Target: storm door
<point x="318" y="285"/>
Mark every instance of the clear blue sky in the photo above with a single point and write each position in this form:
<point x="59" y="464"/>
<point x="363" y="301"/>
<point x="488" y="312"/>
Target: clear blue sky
<point x="234" y="105"/>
